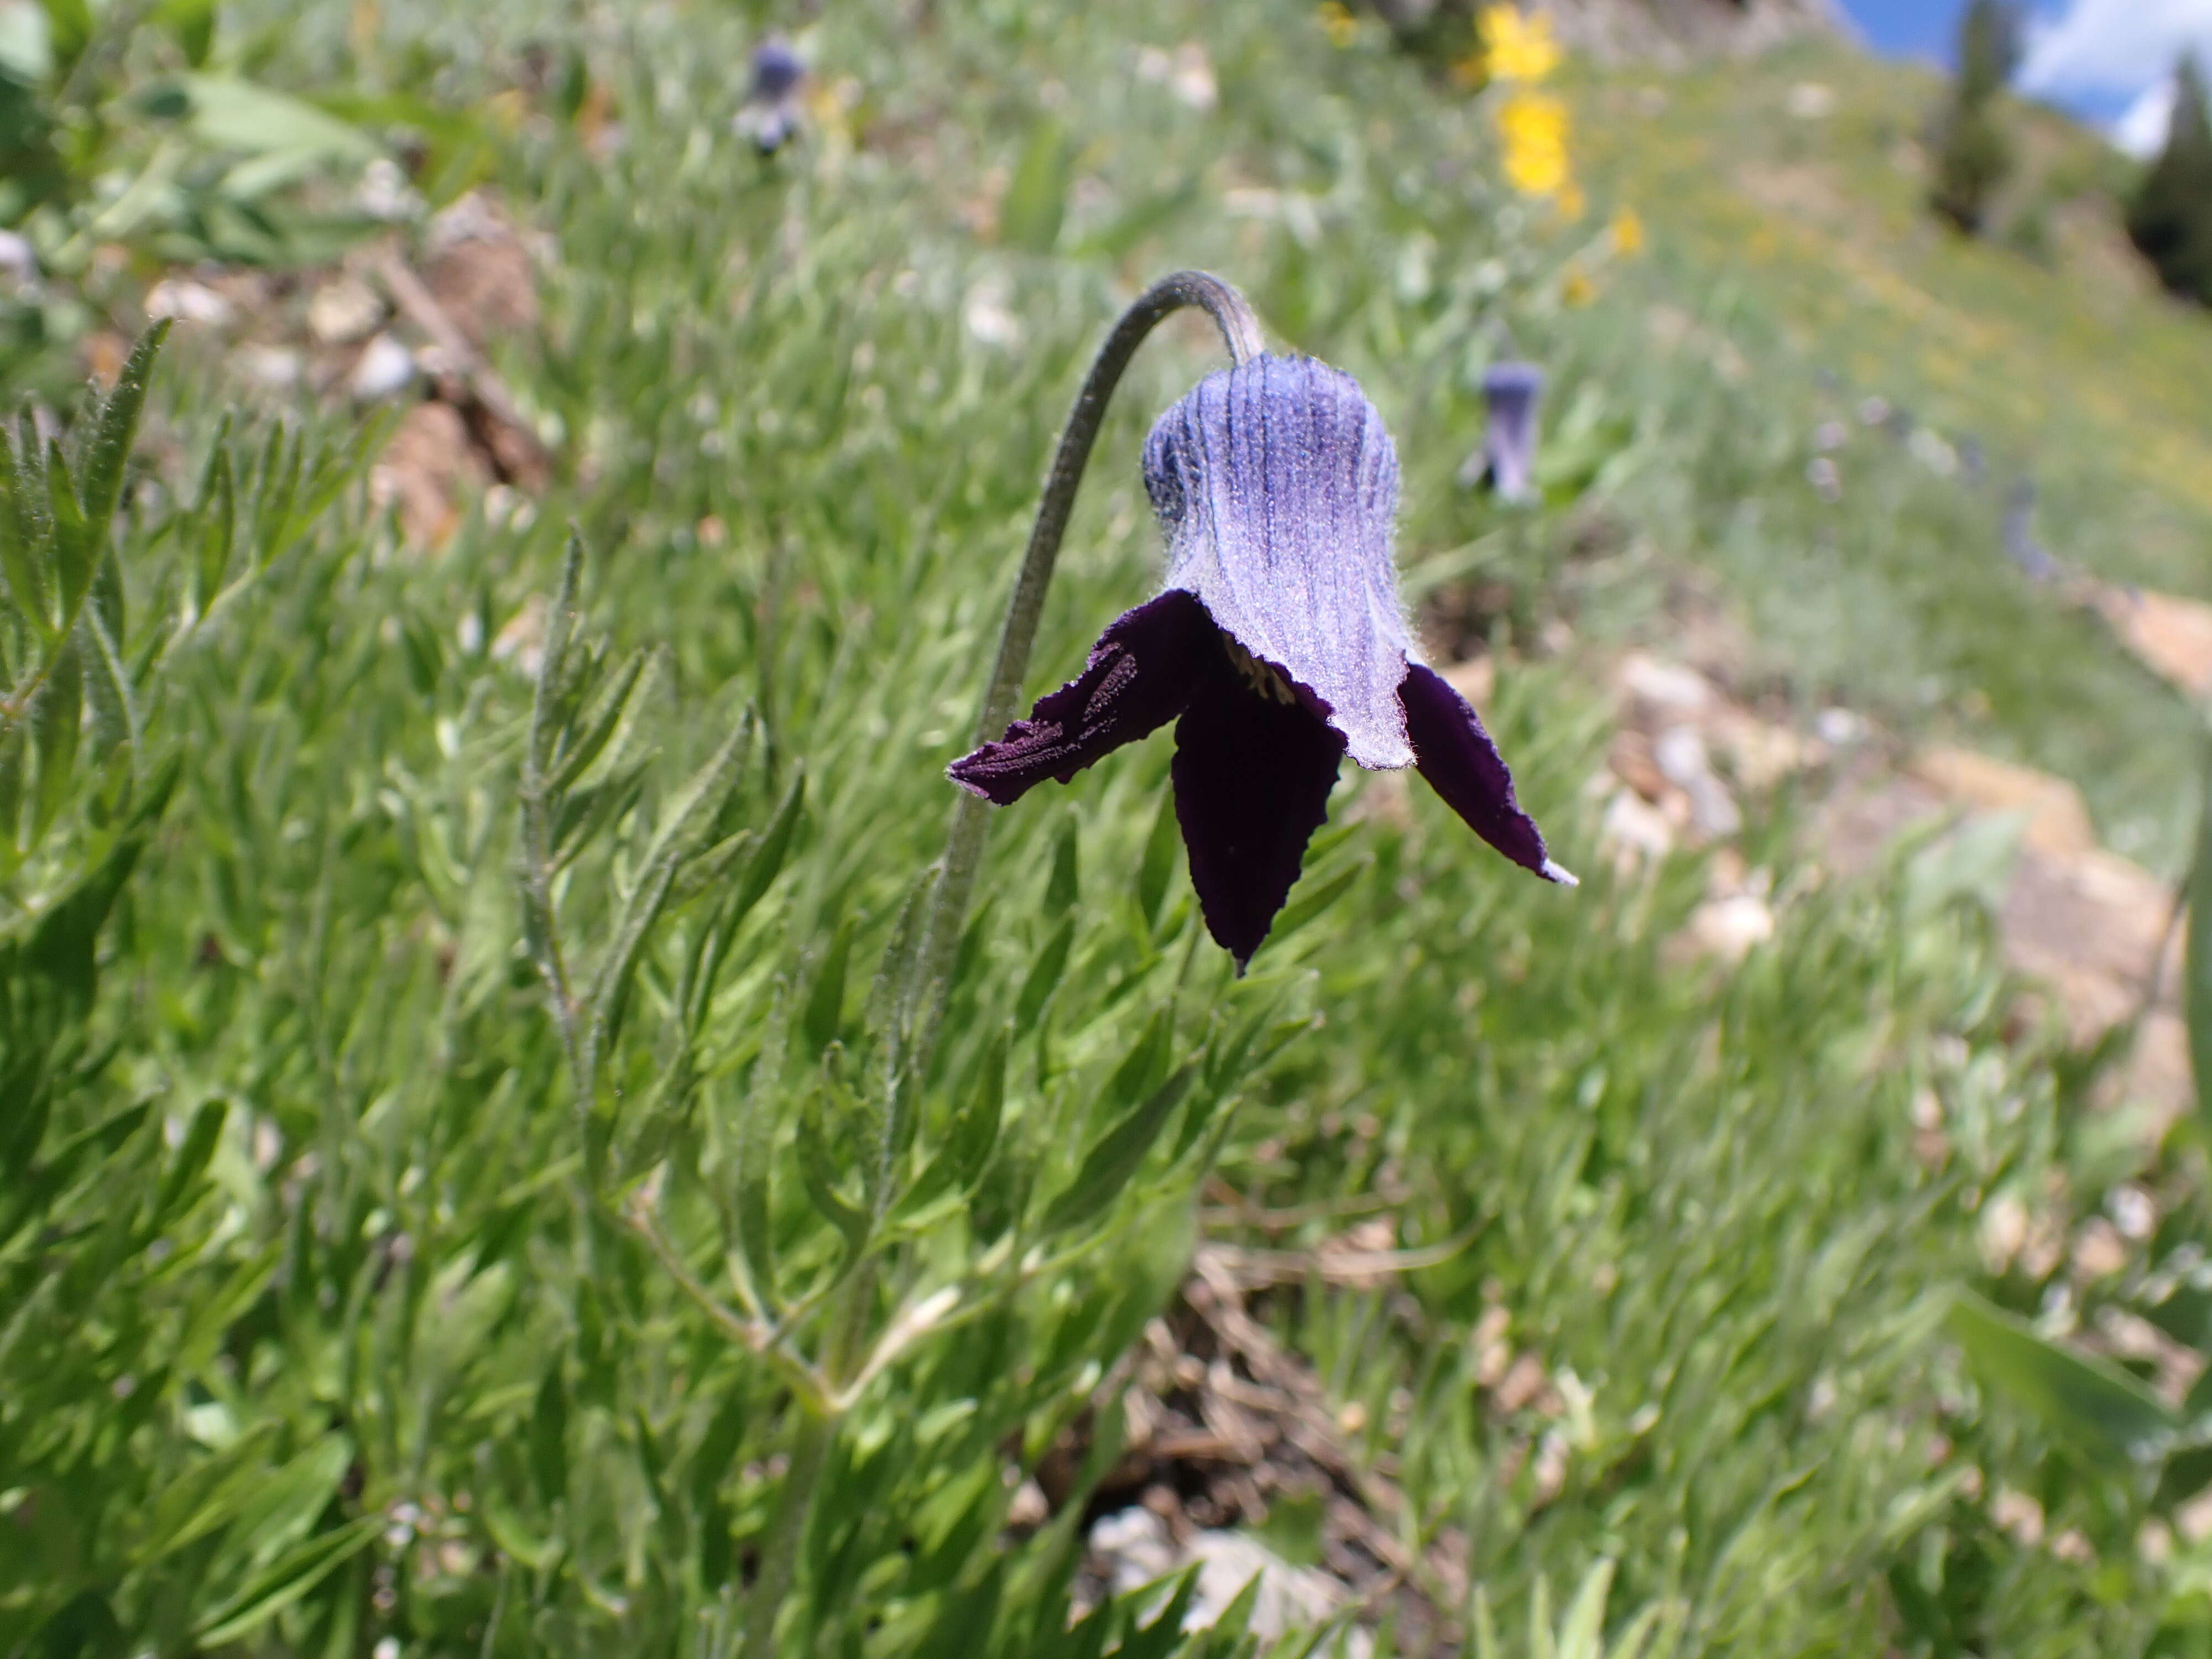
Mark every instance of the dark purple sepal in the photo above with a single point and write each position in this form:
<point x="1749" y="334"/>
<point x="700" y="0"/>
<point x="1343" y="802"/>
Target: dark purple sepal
<point x="1462" y="764"/>
<point x="1252" y="775"/>
<point x="1140" y="676"/>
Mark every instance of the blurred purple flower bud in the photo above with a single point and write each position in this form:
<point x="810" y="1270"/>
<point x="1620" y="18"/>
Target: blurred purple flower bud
<point x="1279" y="647"/>
<point x="1509" y="448"/>
<point x="777" y="72"/>
<point x="770" y="115"/>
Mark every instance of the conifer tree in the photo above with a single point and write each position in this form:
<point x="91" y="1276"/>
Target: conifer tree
<point x="2171" y="217"/>
<point x="1974" y="151"/>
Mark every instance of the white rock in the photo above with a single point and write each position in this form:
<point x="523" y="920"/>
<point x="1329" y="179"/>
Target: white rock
<point x="189" y="302"/>
<point x="1728" y="927"/>
<point x="987" y="319"/>
<point x="1633" y="831"/>
<point x="1680" y="754"/>
<point x="385" y="368"/>
<point x="1671" y="686"/>
<point x="343" y="310"/>
<point x="277" y="366"/>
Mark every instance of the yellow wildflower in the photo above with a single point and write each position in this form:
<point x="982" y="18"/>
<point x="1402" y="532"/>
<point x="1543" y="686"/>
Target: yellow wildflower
<point x="1338" y="23"/>
<point x="1517" y="48"/>
<point x="1534" y="128"/>
<point x="1627" y="231"/>
<point x="1578" y="290"/>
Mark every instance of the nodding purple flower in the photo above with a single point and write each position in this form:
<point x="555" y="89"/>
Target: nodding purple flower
<point x="1509" y="448"/>
<point x="1278" y="646"/>
<point x="771" y="114"/>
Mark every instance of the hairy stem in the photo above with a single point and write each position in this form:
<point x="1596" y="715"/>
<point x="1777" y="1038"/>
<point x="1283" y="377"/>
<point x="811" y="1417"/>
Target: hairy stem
<point x="964" y="846"/>
<point x="921" y="1006"/>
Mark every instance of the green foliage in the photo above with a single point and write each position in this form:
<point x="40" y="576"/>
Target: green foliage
<point x="2169" y="216"/>
<point x="489" y="1176"/>
<point x="1974" y="145"/>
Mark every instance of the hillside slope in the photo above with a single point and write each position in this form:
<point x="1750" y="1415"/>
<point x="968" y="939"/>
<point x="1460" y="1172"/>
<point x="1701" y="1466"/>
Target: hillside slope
<point x="1784" y="200"/>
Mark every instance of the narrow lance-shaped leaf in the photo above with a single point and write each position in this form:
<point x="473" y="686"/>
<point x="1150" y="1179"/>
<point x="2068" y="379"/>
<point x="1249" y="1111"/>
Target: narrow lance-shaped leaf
<point x="23" y="554"/>
<point x="825" y="1003"/>
<point x="178" y="1183"/>
<point x="2199" y="994"/>
<point x="761" y="869"/>
<point x="1158" y="862"/>
<point x="974" y="1132"/>
<point x="56" y="721"/>
<point x="817" y="1166"/>
<point x="74" y="538"/>
<point x="1115" y="1159"/>
<point x="218" y="517"/>
<point x="754" y="1260"/>
<point x="892" y="1010"/>
<point x="110" y="450"/>
<point x="2091" y="1405"/>
<point x="1044" y="976"/>
<point x="616" y="708"/>
<point x="695" y="808"/>
<point x="1065" y="884"/>
<point x="284" y="1581"/>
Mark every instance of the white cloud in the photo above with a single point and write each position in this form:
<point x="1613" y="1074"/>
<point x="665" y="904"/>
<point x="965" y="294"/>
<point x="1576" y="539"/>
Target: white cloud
<point x="2112" y="50"/>
<point x="2142" y="131"/>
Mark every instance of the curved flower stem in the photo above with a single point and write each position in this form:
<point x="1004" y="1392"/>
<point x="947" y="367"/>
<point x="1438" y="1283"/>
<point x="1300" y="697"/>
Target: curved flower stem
<point x="964" y="846"/>
<point x="921" y="1004"/>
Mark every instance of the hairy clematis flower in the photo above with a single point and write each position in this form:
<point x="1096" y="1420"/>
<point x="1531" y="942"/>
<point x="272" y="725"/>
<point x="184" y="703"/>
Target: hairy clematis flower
<point x="1509" y="448"/>
<point x="771" y="114"/>
<point x="1279" y="647"/>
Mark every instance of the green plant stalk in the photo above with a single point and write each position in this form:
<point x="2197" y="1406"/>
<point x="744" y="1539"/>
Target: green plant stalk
<point x="964" y="845"/>
<point x="930" y="980"/>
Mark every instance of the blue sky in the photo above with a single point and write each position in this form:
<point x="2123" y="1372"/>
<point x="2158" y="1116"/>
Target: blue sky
<point x="2106" y="60"/>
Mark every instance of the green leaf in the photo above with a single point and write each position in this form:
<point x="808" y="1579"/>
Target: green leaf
<point x="284" y="1581"/>
<point x="206" y="1495"/>
<point x="749" y="1193"/>
<point x="283" y="1504"/>
<point x="1159" y="861"/>
<point x="762" y="864"/>
<point x="117" y="430"/>
<point x="825" y="1003"/>
<point x="76" y="538"/>
<point x="1311" y="902"/>
<point x="56" y="721"/>
<point x="218" y="518"/>
<point x="549" y="1435"/>
<point x="683" y="823"/>
<point x="239" y="115"/>
<point x="24" y="554"/>
<point x="616" y="708"/>
<point x="1108" y="1166"/>
<point x="1043" y="976"/>
<point x="974" y="1132"/>
<point x="2093" y="1406"/>
<point x="1065" y="886"/>
<point x="84" y="1628"/>
<point x="1036" y="199"/>
<point x="2197" y="988"/>
<point x="192" y="22"/>
<point x="70" y="28"/>
<point x="819" y="1172"/>
<point x="177" y="1192"/>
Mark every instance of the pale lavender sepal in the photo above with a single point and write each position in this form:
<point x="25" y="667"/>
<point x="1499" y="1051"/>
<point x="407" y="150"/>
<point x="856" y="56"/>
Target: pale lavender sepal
<point x="1278" y="487"/>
